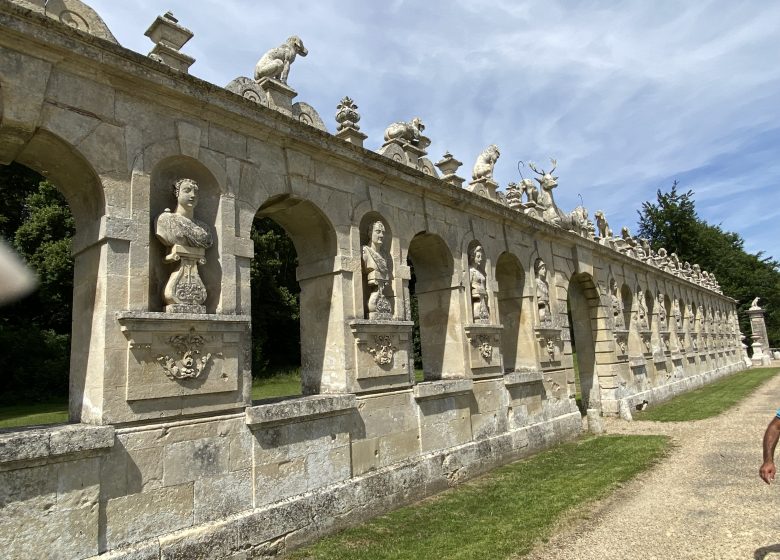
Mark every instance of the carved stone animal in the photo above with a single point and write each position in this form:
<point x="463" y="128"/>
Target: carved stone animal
<point x="276" y="62"/>
<point x="528" y="188"/>
<point x="483" y="168"/>
<point x="605" y="232"/>
<point x="407" y="131"/>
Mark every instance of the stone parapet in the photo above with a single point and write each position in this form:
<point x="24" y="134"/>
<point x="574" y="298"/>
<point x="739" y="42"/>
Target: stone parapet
<point x="295" y="410"/>
<point x="57" y="442"/>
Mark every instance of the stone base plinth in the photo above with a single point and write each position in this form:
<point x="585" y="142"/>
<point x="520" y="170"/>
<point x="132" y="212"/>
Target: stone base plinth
<point x="187" y="356"/>
<point x="383" y="355"/>
<point x="278" y="95"/>
<point x="484" y="349"/>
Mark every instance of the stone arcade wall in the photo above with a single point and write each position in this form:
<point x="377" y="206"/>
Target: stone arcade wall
<point x="167" y="456"/>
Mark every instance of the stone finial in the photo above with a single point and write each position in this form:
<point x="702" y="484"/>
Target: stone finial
<point x="514" y="196"/>
<point x="168" y="37"/>
<point x="347" y="115"/>
<point x="347" y="118"/>
<point x="275" y="64"/>
<point x="448" y="165"/>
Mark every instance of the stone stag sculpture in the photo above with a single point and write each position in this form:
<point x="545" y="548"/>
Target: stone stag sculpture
<point x="276" y="63"/>
<point x="577" y="221"/>
<point x="377" y="272"/>
<point x="478" y="281"/>
<point x="188" y="239"/>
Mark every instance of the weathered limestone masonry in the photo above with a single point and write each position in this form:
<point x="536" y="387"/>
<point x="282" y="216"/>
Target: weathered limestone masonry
<point x="166" y="456"/>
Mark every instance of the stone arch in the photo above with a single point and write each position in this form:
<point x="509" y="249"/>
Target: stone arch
<point x="438" y="307"/>
<point x="162" y="178"/>
<point x="515" y="313"/>
<point x="76" y="179"/>
<point x="587" y="324"/>
<point x="314" y="239"/>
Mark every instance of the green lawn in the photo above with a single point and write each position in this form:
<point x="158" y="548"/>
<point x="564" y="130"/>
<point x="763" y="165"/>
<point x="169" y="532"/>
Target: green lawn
<point x="33" y="414"/>
<point x="710" y="400"/>
<point x="282" y="384"/>
<point x="504" y="513"/>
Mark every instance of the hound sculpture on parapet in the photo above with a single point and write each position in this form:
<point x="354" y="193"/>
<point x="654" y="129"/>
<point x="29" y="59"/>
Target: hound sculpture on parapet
<point x="276" y="62"/>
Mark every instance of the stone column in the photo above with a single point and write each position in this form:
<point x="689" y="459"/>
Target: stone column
<point x="760" y="339"/>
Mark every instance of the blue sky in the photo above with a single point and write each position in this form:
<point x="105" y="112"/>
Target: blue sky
<point x="627" y="96"/>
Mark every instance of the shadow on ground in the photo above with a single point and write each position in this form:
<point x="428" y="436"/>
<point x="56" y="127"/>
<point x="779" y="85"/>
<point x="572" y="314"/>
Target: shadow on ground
<point x="764" y="551"/>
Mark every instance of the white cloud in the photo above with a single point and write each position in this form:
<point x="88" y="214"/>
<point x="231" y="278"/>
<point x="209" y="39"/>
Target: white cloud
<point x="627" y="96"/>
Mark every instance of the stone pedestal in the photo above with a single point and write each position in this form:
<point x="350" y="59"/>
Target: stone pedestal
<point x="621" y="343"/>
<point x="278" y="95"/>
<point x="550" y="346"/>
<point x="185" y="292"/>
<point x="184" y="357"/>
<point x="484" y="349"/>
<point x="759" y="358"/>
<point x="484" y="187"/>
<point x="383" y="355"/>
<point x="351" y="135"/>
<point x="757" y="326"/>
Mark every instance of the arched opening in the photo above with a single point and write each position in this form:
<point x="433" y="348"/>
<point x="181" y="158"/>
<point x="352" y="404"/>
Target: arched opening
<point x="583" y="304"/>
<point x="517" y="339"/>
<point x="35" y="332"/>
<point x="314" y="242"/>
<point x="76" y="181"/>
<point x="437" y="306"/>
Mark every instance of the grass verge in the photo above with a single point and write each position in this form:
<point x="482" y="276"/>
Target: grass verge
<point x="506" y="512"/>
<point x="282" y="384"/>
<point x="710" y="400"/>
<point x="34" y="414"/>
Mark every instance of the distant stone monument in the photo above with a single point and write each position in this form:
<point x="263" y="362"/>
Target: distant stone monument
<point x="760" y="338"/>
<point x="188" y="239"/>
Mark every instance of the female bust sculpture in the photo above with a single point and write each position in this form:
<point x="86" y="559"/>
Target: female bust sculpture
<point x="377" y="273"/>
<point x="181" y="227"/>
<point x="188" y="238"/>
<point x="479" y="293"/>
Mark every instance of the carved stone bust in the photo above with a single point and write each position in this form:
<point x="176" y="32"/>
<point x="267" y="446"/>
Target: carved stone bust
<point x="542" y="293"/>
<point x="181" y="227"/>
<point x="478" y="279"/>
<point x="377" y="272"/>
<point x="188" y="239"/>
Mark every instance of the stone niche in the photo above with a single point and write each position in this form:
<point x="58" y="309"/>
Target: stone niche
<point x="484" y="349"/>
<point x="182" y="355"/>
<point x="383" y="355"/>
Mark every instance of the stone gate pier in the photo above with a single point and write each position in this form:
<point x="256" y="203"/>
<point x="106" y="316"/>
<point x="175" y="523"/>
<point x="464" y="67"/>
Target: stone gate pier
<point x="166" y="455"/>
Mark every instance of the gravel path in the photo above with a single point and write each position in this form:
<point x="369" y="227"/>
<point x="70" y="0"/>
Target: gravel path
<point x="704" y="501"/>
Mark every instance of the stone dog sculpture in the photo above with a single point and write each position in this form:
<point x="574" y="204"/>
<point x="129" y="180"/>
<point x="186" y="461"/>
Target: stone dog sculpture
<point x="409" y="132"/>
<point x="276" y="62"/>
<point x="483" y="168"/>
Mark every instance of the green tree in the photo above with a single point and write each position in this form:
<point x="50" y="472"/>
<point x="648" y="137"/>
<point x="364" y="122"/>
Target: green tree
<point x="672" y="222"/>
<point x="276" y="338"/>
<point x="35" y="332"/>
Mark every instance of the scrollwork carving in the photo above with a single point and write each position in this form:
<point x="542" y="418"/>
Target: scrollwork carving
<point x="190" y="364"/>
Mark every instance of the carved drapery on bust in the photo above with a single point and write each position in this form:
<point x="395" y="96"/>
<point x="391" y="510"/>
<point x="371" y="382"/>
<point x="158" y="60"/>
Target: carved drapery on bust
<point x="618" y="320"/>
<point x="542" y="293"/>
<point x="188" y="239"/>
<point x="377" y="272"/>
<point x="478" y="281"/>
